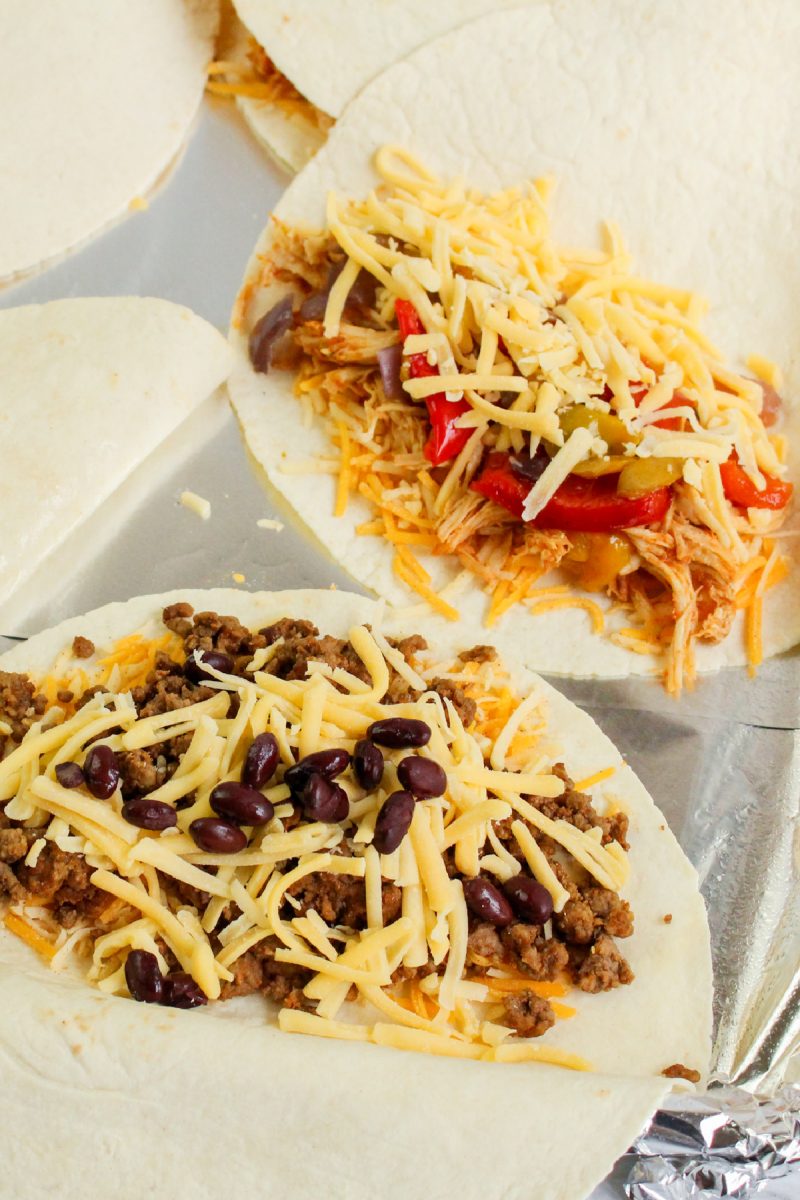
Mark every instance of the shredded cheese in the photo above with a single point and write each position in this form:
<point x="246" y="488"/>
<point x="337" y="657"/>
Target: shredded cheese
<point x="263" y="884"/>
<point x="525" y="334"/>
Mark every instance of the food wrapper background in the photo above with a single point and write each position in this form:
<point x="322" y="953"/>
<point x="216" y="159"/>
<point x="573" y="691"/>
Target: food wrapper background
<point x="723" y="763"/>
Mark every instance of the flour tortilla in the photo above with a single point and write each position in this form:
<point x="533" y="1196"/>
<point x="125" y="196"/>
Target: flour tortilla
<point x="290" y="138"/>
<point x="687" y="143"/>
<point x="97" y="98"/>
<point x="90" y="389"/>
<point x="360" y="1117"/>
<point x="329" y="51"/>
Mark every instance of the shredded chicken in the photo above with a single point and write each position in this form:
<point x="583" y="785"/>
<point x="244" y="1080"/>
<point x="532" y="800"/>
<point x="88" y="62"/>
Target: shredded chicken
<point x="682" y="581"/>
<point x="354" y="344"/>
<point x="281" y="92"/>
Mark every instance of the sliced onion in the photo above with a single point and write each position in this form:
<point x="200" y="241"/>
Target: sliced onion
<point x="363" y="290"/>
<point x="527" y="468"/>
<point x="313" y="307"/>
<point x="361" y="293"/>
<point x="389" y="360"/>
<point x="267" y="332"/>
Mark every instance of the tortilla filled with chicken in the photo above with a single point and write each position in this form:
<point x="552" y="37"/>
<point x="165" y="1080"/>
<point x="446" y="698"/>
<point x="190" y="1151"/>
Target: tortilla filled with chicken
<point x="476" y="406"/>
<point x="293" y="67"/>
<point x="415" y="855"/>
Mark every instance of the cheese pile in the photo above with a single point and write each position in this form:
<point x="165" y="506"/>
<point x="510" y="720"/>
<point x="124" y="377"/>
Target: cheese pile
<point x="524" y="330"/>
<point x="505" y="755"/>
<point x="574" y="324"/>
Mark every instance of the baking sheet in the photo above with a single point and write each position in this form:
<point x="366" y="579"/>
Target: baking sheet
<point x="724" y="763"/>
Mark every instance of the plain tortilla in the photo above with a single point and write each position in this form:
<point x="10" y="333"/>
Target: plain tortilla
<point x="97" y="100"/>
<point x="329" y="51"/>
<point x="688" y="145"/>
<point x="90" y="389"/>
<point x="361" y="1116"/>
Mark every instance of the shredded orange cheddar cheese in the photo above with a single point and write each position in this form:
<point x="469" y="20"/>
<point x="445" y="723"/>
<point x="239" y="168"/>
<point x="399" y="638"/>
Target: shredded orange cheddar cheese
<point x="26" y="933"/>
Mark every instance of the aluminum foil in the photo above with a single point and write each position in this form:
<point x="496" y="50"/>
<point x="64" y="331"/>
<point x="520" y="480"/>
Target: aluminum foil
<point x="723" y="763"/>
<point x="727" y="1143"/>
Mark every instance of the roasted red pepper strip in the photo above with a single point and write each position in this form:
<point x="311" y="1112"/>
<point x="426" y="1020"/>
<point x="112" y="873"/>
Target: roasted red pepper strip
<point x="740" y="489"/>
<point x="582" y="505"/>
<point x="446" y="439"/>
<point x="498" y="482"/>
<point x="677" y="424"/>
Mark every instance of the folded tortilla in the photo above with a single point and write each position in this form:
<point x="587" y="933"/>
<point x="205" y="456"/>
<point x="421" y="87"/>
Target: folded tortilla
<point x="95" y="1079"/>
<point x="97" y="100"/>
<point x="329" y="52"/>
<point x="90" y="389"/>
<point x="674" y="144"/>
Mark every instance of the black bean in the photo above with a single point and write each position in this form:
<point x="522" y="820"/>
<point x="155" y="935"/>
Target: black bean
<point x="531" y="900"/>
<point x="368" y="764"/>
<point x="268" y="332"/>
<point x="323" y="800"/>
<point x="399" y="733"/>
<point x="69" y="775"/>
<point x="193" y="669"/>
<point x="143" y="977"/>
<point x="241" y="804"/>
<point x="487" y="901"/>
<point x="393" y="822"/>
<point x="181" y="991"/>
<point x="422" y="776"/>
<point x="217" y="836"/>
<point x="101" y="772"/>
<point x="149" y="814"/>
<point x="328" y="763"/>
<point x="261" y="760"/>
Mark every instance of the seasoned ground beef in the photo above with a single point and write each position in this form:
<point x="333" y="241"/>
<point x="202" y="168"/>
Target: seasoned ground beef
<point x="61" y="881"/>
<point x="610" y="910"/>
<point x="576" y="807"/>
<point x="533" y="954"/>
<point x="679" y="1071"/>
<point x="479" y="654"/>
<point x="603" y="967"/>
<point x="188" y="894"/>
<point x="257" y="971"/>
<point x="409" y="647"/>
<point x="20" y="705"/>
<point x="10" y="886"/>
<point x="139" y="772"/>
<point x="210" y="631"/>
<point x="405" y="974"/>
<point x="464" y="706"/>
<point x="484" y="943"/>
<point x="575" y="922"/>
<point x="530" y="1015"/>
<point x="14" y="844"/>
<point x="82" y="647"/>
<point x="289" y="630"/>
<point x="167" y="689"/>
<point x="177" y="617"/>
<point x="341" y="899"/>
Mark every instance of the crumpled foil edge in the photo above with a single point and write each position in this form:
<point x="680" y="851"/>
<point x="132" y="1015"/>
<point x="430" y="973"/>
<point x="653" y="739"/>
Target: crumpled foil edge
<point x="725" y="1142"/>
